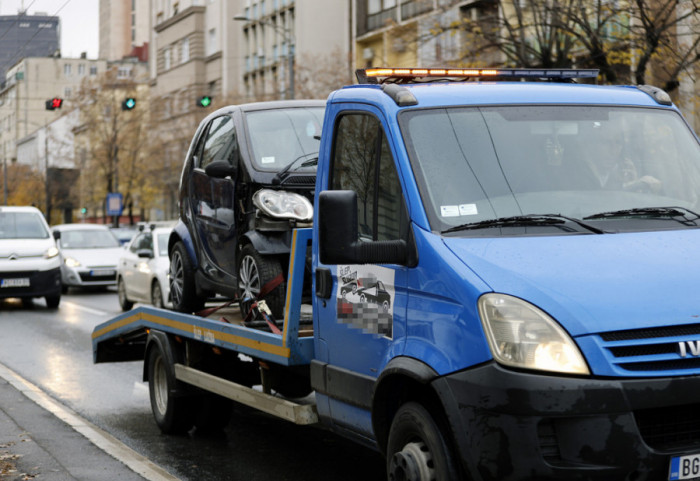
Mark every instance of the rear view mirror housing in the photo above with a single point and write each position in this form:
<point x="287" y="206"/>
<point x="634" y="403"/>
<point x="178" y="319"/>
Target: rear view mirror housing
<point x="339" y="242"/>
<point x="220" y="169"/>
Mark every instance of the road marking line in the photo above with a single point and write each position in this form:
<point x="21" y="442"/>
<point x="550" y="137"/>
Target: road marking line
<point x="84" y="308"/>
<point x="103" y="440"/>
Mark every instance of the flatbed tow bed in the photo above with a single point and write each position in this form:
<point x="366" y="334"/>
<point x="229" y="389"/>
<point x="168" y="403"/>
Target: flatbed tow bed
<point x="124" y="338"/>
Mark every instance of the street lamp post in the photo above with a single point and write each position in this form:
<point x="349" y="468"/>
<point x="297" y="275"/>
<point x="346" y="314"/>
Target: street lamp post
<point x="288" y="37"/>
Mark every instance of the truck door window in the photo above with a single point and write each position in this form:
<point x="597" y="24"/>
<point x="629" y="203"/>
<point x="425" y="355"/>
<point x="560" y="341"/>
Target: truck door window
<point x="220" y="143"/>
<point x="362" y="162"/>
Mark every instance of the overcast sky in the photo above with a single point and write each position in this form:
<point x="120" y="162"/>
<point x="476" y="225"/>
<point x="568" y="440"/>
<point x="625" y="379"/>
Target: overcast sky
<point x="79" y="22"/>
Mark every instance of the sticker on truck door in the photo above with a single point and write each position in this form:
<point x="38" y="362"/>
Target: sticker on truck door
<point x="365" y="298"/>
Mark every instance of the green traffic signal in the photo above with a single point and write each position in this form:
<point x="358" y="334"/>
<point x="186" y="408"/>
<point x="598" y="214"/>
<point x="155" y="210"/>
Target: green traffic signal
<point x="129" y="103"/>
<point x="204" y="101"/>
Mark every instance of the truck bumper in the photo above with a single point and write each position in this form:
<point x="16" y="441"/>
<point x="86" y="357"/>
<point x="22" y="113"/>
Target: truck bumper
<point x="511" y="425"/>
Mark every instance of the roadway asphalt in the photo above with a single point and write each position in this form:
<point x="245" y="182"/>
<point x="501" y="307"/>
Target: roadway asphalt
<point x="43" y="440"/>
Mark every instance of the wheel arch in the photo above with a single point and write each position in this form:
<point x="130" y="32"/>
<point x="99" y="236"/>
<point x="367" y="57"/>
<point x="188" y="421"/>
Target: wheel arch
<point x="180" y="233"/>
<point x="167" y="344"/>
<point x="403" y="379"/>
<point x="266" y="244"/>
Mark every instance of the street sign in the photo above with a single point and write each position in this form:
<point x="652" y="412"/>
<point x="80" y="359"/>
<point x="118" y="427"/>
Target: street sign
<point x="114" y="204"/>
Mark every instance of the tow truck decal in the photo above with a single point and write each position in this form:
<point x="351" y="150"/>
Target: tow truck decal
<point x="365" y="297"/>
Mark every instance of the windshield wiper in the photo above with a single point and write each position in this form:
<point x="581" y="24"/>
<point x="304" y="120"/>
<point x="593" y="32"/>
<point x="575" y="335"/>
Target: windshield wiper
<point x="524" y="221"/>
<point x="313" y="161"/>
<point x="680" y="214"/>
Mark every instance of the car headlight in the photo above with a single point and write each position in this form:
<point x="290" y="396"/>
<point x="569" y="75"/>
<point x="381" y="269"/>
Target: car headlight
<point x="283" y="205"/>
<point x="51" y="252"/>
<point x="521" y="335"/>
<point x="71" y="262"/>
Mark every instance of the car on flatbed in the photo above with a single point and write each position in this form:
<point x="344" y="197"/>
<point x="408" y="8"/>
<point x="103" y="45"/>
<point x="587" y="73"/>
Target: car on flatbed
<point x="247" y="181"/>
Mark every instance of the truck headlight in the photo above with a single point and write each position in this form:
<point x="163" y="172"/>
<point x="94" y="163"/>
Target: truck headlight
<point x="283" y="205"/>
<point x="521" y="335"/>
<point x="51" y="252"/>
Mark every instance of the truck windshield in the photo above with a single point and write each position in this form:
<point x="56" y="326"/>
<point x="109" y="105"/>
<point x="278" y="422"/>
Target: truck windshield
<point x="475" y="165"/>
<point x="280" y="137"/>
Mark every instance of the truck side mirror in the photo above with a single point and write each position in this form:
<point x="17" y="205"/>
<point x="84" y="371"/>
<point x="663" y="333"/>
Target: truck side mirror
<point x="338" y="238"/>
<point x="220" y="169"/>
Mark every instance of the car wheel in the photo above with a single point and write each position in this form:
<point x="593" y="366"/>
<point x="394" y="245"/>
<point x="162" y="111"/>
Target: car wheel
<point x="124" y="302"/>
<point x="417" y="448"/>
<point x="254" y="271"/>
<point x="52" y="302"/>
<point x="156" y="294"/>
<point x="363" y="299"/>
<point x="183" y="290"/>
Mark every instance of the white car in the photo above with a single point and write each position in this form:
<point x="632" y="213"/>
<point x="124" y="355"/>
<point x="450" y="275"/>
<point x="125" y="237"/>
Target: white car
<point x="142" y="274"/>
<point x="89" y="254"/>
<point x="29" y="260"/>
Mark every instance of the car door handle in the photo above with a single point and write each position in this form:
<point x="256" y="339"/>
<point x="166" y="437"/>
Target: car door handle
<point x="324" y="283"/>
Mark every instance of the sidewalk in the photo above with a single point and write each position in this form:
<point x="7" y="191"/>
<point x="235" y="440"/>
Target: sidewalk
<point x="40" y="439"/>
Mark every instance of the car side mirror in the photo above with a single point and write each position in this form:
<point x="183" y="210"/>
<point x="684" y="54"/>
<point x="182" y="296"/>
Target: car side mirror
<point x="338" y="237"/>
<point x="145" y="253"/>
<point x="220" y="169"/>
<point x="56" y="234"/>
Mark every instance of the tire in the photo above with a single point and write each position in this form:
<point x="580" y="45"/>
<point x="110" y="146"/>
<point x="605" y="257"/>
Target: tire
<point x="254" y="271"/>
<point x="156" y="294"/>
<point x="173" y="414"/>
<point x="52" y="302"/>
<point x="124" y="302"/>
<point x="363" y="299"/>
<point x="183" y="290"/>
<point x="418" y="449"/>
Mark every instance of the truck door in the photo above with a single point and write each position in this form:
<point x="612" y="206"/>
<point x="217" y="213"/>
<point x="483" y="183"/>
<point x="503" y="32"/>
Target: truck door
<point x="362" y="323"/>
<point x="214" y="201"/>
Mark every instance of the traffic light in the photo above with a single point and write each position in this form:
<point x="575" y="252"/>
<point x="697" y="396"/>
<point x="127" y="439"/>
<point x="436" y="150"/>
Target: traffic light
<point x="53" y="104"/>
<point x="128" y="103"/>
<point x="83" y="211"/>
<point x="204" y="101"/>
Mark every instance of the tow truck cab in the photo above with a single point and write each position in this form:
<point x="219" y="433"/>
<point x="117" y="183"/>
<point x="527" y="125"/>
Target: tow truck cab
<point x="536" y="244"/>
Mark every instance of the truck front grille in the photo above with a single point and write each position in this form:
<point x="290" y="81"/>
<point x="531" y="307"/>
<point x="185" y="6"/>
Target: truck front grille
<point x="660" y="351"/>
<point x="670" y="428"/>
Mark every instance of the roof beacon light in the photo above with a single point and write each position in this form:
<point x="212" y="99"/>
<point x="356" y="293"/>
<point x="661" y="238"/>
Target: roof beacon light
<point x="406" y="75"/>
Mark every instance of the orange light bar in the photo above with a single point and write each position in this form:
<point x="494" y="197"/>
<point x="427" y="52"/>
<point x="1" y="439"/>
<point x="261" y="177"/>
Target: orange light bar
<point x="432" y="72"/>
<point x="364" y="75"/>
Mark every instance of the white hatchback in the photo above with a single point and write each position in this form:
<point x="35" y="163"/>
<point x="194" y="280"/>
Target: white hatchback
<point x="142" y="275"/>
<point x="29" y="262"/>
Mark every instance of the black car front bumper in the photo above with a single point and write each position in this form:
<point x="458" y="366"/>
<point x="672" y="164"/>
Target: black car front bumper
<point x="512" y="425"/>
<point x="41" y="283"/>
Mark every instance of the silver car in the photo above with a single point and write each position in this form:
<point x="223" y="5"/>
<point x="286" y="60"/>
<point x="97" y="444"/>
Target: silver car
<point x="89" y="255"/>
<point x="142" y="275"/>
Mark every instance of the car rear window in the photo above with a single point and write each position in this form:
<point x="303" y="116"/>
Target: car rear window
<point x="22" y="225"/>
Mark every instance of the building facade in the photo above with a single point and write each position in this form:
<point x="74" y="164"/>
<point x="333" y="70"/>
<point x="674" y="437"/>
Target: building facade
<point x="124" y="26"/>
<point x="25" y="35"/>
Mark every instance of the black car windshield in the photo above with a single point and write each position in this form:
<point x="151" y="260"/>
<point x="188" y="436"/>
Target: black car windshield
<point x="87" y="239"/>
<point x="487" y="163"/>
<point x="22" y="225"/>
<point x="282" y="136"/>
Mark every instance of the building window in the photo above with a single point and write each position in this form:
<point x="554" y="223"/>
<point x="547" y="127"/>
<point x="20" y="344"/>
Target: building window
<point x="67" y="92"/>
<point x="185" y="50"/>
<point x="93" y="70"/>
<point x="379" y="12"/>
<point x="123" y="72"/>
<point x="166" y="59"/>
<point x="81" y="69"/>
<point x="67" y="69"/>
<point x="211" y="44"/>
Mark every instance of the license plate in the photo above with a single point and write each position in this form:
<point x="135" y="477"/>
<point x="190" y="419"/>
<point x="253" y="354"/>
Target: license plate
<point x="103" y="272"/>
<point x="17" y="282"/>
<point x="685" y="467"/>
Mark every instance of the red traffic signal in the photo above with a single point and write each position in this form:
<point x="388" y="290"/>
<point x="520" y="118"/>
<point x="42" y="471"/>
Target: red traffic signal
<point x="53" y="104"/>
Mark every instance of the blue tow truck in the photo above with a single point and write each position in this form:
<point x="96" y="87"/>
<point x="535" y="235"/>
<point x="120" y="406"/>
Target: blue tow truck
<point x="535" y="238"/>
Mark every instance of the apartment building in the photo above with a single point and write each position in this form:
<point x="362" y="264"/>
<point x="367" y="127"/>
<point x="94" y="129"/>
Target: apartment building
<point x="29" y="84"/>
<point x="124" y="26"/>
<point x="25" y="35"/>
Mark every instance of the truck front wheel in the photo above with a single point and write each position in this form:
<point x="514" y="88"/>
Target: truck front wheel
<point x="417" y="449"/>
<point x="173" y="414"/>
